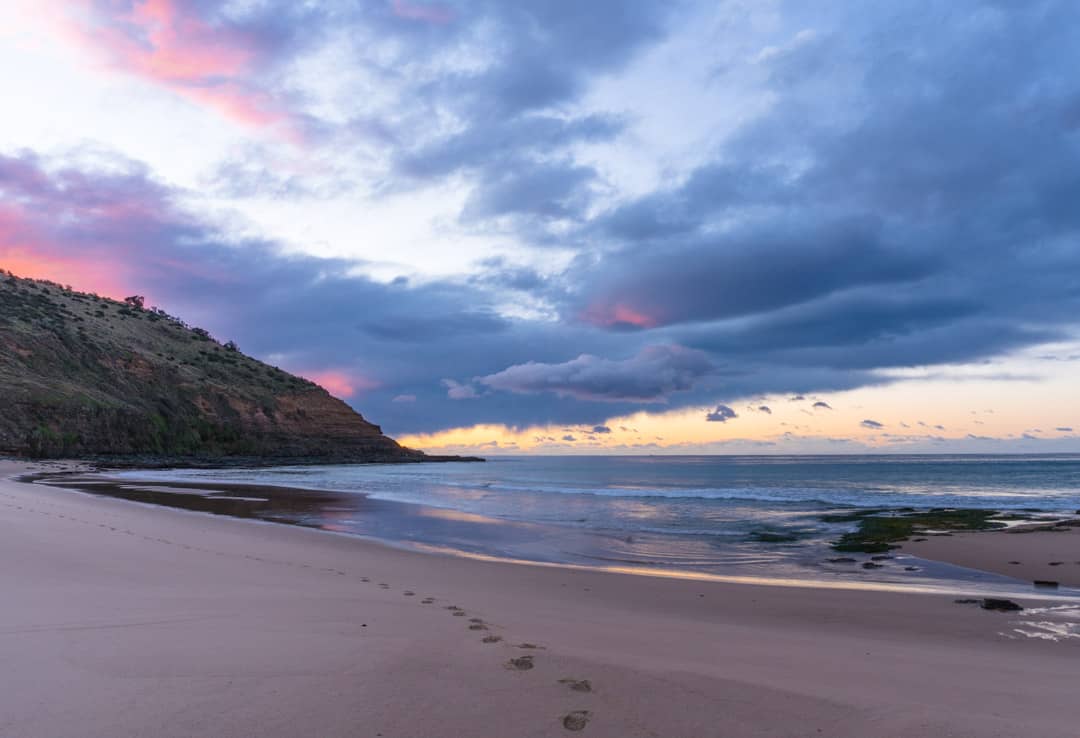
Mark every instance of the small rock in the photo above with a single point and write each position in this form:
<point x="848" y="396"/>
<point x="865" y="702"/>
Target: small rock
<point x="1047" y="583"/>
<point x="993" y="603"/>
<point x="911" y="568"/>
<point x="1056" y="563"/>
<point x="871" y="565"/>
<point x="1014" y="563"/>
<point x="966" y="602"/>
<point x="881" y="557"/>
<point x="841" y="560"/>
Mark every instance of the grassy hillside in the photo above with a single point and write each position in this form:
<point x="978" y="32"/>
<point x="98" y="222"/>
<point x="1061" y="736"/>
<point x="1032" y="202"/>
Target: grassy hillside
<point x="85" y="375"/>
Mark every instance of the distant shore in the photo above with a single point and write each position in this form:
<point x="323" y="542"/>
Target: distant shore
<point x="124" y="620"/>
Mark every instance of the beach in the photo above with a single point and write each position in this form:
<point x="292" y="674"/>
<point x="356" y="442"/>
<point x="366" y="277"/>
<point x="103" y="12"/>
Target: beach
<point x="1045" y="553"/>
<point x="121" y="619"/>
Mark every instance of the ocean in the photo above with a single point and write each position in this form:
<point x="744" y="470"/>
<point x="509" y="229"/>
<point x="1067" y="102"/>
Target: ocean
<point x="718" y="515"/>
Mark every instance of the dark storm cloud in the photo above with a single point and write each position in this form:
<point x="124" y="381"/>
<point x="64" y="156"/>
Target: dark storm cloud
<point x="907" y="235"/>
<point x="753" y="269"/>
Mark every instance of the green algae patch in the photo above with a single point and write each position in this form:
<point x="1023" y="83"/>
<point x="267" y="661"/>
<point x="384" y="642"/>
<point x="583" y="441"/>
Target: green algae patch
<point x="881" y="531"/>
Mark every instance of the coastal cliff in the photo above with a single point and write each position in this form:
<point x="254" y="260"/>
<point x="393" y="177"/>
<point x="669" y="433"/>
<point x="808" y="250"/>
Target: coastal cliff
<point x="82" y="375"/>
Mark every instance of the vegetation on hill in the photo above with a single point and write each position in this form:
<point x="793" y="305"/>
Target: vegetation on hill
<point x="84" y="375"/>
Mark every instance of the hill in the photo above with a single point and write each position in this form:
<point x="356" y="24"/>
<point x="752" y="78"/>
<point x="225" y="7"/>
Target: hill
<point x="83" y="375"/>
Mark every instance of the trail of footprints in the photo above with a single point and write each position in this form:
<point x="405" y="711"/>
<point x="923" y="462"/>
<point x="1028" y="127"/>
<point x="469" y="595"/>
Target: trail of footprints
<point x="575" y="720"/>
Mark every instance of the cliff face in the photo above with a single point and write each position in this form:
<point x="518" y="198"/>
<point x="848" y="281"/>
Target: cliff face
<point x="83" y="375"/>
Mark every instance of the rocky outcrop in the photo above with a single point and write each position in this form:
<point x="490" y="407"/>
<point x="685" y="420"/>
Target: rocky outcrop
<point x="82" y="375"/>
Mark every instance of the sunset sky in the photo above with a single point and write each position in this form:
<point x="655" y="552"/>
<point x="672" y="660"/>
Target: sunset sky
<point x="580" y="227"/>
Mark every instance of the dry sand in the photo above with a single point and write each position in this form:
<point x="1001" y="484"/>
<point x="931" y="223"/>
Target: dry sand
<point x="120" y="620"/>
<point x="1025" y="552"/>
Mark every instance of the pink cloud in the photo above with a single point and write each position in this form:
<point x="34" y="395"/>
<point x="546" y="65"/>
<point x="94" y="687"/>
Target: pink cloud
<point x="425" y="12"/>
<point x="339" y="383"/>
<point x="29" y="252"/>
<point x="170" y="44"/>
<point x="619" y="314"/>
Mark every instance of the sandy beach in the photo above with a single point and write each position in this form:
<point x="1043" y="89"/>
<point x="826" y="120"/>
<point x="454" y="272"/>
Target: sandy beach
<point x="119" y="619"/>
<point x="1029" y="552"/>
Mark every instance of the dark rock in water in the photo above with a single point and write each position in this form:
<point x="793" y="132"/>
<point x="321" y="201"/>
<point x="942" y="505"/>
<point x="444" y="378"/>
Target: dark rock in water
<point x="841" y="560"/>
<point x="1056" y="563"/>
<point x="1014" y="562"/>
<point x="966" y="602"/>
<point x="871" y="565"/>
<point x="882" y="557"/>
<point x="911" y="568"/>
<point x="1046" y="583"/>
<point x="918" y="540"/>
<point x="993" y="603"/>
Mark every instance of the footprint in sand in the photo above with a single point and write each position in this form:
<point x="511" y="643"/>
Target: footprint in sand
<point x="520" y="663"/>
<point x="384" y="585"/>
<point x="364" y="579"/>
<point x="452" y="607"/>
<point x="578" y="685"/>
<point x="475" y="620"/>
<point x="491" y="639"/>
<point x="409" y="593"/>
<point x="576" y="720"/>
<point x="427" y="600"/>
<point x="478" y="626"/>
<point x="458" y="613"/>
<point x="530" y="645"/>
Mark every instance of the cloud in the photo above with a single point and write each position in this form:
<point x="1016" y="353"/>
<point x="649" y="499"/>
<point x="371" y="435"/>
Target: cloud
<point x="797" y="398"/>
<point x="601" y="429"/>
<point x="650" y="376"/>
<point x="721" y="414"/>
<point x="458" y="391"/>
<point x="822" y="404"/>
<point x="208" y="57"/>
<point x="853" y="221"/>
<point x="1064" y="429"/>
<point x="764" y="409"/>
<point x="872" y="424"/>
<point x="338" y="382"/>
<point x="404" y="398"/>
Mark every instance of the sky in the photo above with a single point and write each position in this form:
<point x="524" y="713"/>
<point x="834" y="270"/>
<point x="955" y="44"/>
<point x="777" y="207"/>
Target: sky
<point x="619" y="226"/>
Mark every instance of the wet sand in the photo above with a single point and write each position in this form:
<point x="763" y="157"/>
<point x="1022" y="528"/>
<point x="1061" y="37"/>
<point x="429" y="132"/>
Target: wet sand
<point x="120" y="619"/>
<point x="1045" y="553"/>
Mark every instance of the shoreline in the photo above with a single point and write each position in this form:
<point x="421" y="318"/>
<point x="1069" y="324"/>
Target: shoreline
<point x="941" y="569"/>
<point x="134" y="619"/>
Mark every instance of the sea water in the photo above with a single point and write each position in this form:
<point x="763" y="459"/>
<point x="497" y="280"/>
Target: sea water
<point x="714" y="514"/>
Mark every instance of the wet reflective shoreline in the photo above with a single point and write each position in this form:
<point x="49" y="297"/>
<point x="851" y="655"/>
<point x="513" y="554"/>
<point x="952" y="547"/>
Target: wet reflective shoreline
<point x="450" y="532"/>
